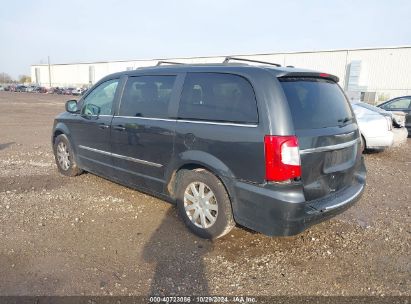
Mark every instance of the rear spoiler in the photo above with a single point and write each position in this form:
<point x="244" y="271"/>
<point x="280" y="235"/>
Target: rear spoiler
<point x="309" y="74"/>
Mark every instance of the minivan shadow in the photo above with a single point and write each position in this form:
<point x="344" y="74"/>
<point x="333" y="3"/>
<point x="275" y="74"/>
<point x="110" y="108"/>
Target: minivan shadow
<point x="6" y="145"/>
<point x="178" y="257"/>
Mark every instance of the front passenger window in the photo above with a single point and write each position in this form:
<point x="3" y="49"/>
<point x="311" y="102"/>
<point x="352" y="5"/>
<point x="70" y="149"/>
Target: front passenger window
<point x="100" y="100"/>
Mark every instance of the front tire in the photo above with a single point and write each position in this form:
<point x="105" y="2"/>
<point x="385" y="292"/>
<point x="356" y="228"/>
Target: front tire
<point x="204" y="204"/>
<point x="64" y="156"/>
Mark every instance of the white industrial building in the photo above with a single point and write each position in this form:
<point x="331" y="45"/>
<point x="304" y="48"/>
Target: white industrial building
<point x="372" y="74"/>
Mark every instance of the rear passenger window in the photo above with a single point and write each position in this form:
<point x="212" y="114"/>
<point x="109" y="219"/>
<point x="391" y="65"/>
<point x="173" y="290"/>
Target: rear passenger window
<point x="147" y="96"/>
<point x="218" y="97"/>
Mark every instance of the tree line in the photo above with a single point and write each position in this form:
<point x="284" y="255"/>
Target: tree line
<point x="6" y="78"/>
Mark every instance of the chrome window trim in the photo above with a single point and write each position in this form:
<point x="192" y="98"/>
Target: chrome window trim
<point x="93" y="115"/>
<point x="330" y="148"/>
<point x="146" y="118"/>
<point x="218" y="123"/>
<point x="136" y="160"/>
<point x="192" y="121"/>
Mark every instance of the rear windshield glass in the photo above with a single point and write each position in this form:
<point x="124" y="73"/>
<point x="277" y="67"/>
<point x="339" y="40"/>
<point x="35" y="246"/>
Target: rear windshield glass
<point x="316" y="103"/>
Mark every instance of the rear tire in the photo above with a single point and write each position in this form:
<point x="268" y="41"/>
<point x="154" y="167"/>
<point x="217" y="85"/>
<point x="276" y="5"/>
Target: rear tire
<point x="64" y="156"/>
<point x="204" y="204"/>
<point x="363" y="144"/>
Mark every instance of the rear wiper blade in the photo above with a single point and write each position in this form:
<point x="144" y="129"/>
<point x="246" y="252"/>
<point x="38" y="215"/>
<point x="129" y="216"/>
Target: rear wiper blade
<point x="344" y="120"/>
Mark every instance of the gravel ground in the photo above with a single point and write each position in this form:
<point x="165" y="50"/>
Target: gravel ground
<point x="86" y="235"/>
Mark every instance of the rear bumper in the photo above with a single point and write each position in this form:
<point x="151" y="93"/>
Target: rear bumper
<point x="380" y="142"/>
<point x="284" y="211"/>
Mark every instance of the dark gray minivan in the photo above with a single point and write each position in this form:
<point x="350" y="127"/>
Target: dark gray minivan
<point x="269" y="148"/>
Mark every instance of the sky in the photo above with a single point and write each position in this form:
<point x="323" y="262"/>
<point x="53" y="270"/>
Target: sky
<point x="101" y="30"/>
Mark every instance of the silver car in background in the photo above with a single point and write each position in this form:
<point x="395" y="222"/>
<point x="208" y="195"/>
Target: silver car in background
<point x="398" y="117"/>
<point x="375" y="127"/>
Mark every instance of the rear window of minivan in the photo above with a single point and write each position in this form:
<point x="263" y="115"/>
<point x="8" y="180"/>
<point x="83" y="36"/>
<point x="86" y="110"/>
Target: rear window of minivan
<point x="316" y="103"/>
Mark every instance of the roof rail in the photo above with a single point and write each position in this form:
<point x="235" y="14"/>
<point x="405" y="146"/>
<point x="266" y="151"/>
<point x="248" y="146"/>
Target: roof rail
<point x="167" y="62"/>
<point x="227" y="59"/>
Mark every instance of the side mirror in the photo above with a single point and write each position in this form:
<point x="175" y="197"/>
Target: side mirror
<point x="91" y="110"/>
<point x="71" y="106"/>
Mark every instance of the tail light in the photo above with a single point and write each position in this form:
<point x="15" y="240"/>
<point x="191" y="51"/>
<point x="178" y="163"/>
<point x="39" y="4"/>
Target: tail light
<point x="282" y="158"/>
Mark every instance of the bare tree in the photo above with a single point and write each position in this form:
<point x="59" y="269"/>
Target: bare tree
<point x="5" y="78"/>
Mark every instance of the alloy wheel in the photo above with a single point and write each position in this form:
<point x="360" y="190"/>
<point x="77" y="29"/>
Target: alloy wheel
<point x="63" y="156"/>
<point x="200" y="205"/>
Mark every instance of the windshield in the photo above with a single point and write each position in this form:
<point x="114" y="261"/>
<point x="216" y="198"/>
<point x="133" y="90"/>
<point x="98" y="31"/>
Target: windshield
<point x="316" y="103"/>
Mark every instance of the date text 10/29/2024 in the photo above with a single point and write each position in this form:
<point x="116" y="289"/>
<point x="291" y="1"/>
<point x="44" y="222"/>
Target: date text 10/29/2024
<point x="202" y="299"/>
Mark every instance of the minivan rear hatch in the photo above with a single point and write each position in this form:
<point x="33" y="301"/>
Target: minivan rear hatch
<point x="327" y="133"/>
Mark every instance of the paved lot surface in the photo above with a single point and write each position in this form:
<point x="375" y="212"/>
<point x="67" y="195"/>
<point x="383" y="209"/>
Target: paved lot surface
<point x="86" y="235"/>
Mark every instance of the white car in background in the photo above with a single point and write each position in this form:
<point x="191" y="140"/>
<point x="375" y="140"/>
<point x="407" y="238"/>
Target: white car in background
<point x="375" y="128"/>
<point x="78" y="91"/>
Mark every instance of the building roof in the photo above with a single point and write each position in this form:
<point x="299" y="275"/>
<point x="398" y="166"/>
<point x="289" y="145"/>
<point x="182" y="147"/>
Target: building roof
<point x="238" y="55"/>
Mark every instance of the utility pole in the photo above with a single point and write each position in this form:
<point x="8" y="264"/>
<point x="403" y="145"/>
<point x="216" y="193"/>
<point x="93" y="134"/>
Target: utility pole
<point x="48" y="60"/>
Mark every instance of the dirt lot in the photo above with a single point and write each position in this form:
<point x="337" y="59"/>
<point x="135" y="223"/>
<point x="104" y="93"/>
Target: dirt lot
<point x="86" y="235"/>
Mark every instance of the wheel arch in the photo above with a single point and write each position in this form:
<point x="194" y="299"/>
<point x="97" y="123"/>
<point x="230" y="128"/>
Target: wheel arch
<point x="198" y="160"/>
<point x="60" y="129"/>
<point x="55" y="134"/>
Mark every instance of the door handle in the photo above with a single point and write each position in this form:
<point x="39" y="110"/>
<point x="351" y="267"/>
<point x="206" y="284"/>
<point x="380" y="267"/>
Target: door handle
<point x="103" y="126"/>
<point x="119" y="128"/>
